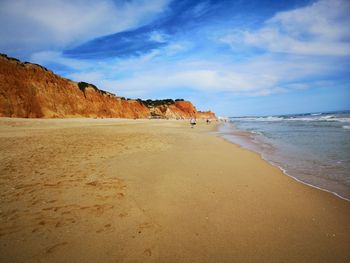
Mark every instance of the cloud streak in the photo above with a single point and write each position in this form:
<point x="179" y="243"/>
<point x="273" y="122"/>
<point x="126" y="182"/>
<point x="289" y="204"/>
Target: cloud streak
<point x="319" y="29"/>
<point x="37" y="25"/>
<point x="152" y="72"/>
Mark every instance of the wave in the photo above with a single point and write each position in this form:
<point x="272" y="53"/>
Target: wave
<point x="263" y="148"/>
<point x="269" y="118"/>
<point x="312" y="118"/>
<point x="346" y="127"/>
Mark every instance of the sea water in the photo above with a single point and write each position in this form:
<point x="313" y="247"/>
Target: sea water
<point x="313" y="148"/>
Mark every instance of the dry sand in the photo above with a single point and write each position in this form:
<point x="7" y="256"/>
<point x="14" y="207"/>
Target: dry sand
<point x="82" y="190"/>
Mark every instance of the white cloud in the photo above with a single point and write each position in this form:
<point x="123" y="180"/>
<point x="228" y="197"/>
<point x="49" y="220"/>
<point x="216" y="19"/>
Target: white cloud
<point x="262" y="76"/>
<point x="159" y="37"/>
<point x="173" y="66"/>
<point x="154" y="74"/>
<point x="37" y="25"/>
<point x="46" y="57"/>
<point x="319" y="29"/>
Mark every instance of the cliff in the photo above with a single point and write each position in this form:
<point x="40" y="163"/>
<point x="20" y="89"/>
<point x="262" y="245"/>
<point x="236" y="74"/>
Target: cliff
<point x="31" y="91"/>
<point x="206" y="115"/>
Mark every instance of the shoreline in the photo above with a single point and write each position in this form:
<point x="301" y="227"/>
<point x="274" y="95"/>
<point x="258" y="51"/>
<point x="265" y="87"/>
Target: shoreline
<point x="288" y="175"/>
<point x="155" y="191"/>
<point x="284" y="171"/>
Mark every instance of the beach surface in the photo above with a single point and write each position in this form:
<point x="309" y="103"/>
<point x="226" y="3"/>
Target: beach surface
<point x="109" y="190"/>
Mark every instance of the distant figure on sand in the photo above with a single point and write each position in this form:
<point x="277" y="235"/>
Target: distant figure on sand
<point x="193" y="122"/>
<point x="208" y="121"/>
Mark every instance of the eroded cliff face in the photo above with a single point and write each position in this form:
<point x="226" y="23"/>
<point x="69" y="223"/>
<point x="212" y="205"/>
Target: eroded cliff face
<point x="31" y="91"/>
<point x="174" y="110"/>
<point x="206" y="115"/>
<point x="185" y="109"/>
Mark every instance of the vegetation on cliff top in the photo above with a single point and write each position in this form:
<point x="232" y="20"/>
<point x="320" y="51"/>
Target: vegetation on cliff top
<point x="22" y="63"/>
<point x="83" y="85"/>
<point x="155" y="103"/>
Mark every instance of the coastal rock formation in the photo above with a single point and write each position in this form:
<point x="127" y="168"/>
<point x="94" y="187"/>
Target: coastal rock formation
<point x="170" y="109"/>
<point x="31" y="91"/>
<point x="206" y="115"/>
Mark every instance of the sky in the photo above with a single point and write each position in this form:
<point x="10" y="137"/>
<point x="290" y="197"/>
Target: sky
<point x="236" y="58"/>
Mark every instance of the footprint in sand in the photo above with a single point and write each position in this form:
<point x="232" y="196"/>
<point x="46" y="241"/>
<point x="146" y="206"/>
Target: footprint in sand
<point x="97" y="209"/>
<point x="123" y="214"/>
<point x="120" y="195"/>
<point x="107" y="227"/>
<point x="147" y="252"/>
<point x="144" y="226"/>
<point x="103" y="198"/>
<point x="93" y="183"/>
<point x="52" y="249"/>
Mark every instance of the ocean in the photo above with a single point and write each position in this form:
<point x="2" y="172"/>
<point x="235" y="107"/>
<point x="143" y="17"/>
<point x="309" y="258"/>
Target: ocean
<point x="313" y="148"/>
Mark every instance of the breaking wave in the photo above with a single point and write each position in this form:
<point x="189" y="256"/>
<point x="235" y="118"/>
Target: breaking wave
<point x="314" y="117"/>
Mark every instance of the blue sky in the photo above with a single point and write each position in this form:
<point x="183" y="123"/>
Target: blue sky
<point x="233" y="57"/>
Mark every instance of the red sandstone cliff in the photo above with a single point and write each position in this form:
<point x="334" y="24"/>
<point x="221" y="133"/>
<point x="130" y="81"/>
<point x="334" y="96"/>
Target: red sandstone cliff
<point x="206" y="115"/>
<point x="185" y="109"/>
<point x="31" y="91"/>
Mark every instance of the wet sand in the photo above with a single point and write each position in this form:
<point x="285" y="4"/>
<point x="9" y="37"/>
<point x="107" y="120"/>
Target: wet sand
<point x="85" y="190"/>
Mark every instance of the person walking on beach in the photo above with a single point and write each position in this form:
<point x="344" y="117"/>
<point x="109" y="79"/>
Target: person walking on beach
<point x="193" y="122"/>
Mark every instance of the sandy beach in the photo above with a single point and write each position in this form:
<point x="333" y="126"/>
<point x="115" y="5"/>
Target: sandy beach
<point x="109" y="190"/>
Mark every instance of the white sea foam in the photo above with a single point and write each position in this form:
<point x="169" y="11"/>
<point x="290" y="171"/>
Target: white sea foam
<point x="302" y="162"/>
<point x="271" y="118"/>
<point x="256" y="132"/>
<point x="328" y="118"/>
<point x="323" y="118"/>
<point x="342" y="119"/>
<point x="284" y="171"/>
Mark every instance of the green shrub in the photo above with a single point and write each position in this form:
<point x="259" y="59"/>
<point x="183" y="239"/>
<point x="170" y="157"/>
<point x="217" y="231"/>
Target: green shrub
<point x="83" y="85"/>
